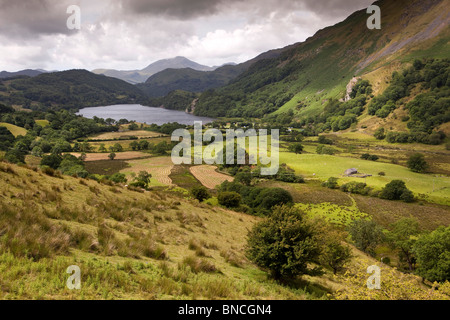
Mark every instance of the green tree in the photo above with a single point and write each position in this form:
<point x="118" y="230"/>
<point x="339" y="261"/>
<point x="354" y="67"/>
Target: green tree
<point x="403" y="237"/>
<point x="229" y="199"/>
<point x="118" y="178"/>
<point x="332" y="183"/>
<point x="380" y="134"/>
<point x="244" y="177"/>
<point x="433" y="255"/>
<point x="134" y="145"/>
<point x="200" y="193"/>
<point x="112" y="156"/>
<point x="417" y="163"/>
<point x="296" y="148"/>
<point x="117" y="147"/>
<point x="143" y="177"/>
<point x="283" y="244"/>
<point x="366" y="235"/>
<point x="397" y="190"/>
<point x="53" y="161"/>
<point x="270" y="197"/>
<point x="6" y="139"/>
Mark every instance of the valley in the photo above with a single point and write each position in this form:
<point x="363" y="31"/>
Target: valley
<point x="87" y="176"/>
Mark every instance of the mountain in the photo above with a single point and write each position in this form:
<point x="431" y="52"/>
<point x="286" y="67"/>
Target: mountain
<point x="304" y="77"/>
<point x="70" y="89"/>
<point x="26" y="72"/>
<point x="194" y="81"/>
<point x="140" y="76"/>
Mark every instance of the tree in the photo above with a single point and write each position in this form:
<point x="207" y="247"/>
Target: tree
<point x="403" y="237"/>
<point x="417" y="163"/>
<point x="53" y="161"/>
<point x="244" y="177"/>
<point x="118" y="178"/>
<point x="333" y="253"/>
<point x="380" y="134"/>
<point x="117" y="147"/>
<point x="271" y="197"/>
<point x="15" y="156"/>
<point x="397" y="190"/>
<point x="332" y="183"/>
<point x="6" y="139"/>
<point x="433" y="255"/>
<point x="283" y="244"/>
<point x="102" y="148"/>
<point x="134" y="145"/>
<point x="229" y="199"/>
<point x="200" y="193"/>
<point x="366" y="235"/>
<point x="296" y="148"/>
<point x="112" y="156"/>
<point x="143" y="177"/>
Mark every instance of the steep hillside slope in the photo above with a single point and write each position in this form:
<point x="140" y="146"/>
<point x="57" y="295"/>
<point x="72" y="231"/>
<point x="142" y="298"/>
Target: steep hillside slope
<point x="68" y="89"/>
<point x="304" y="77"/>
<point x="140" y="76"/>
<point x="163" y="84"/>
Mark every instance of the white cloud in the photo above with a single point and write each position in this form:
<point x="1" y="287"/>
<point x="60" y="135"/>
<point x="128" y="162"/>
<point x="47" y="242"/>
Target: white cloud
<point x="132" y="33"/>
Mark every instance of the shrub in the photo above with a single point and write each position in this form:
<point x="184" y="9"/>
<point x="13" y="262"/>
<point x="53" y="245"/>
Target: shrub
<point x="356" y="187"/>
<point x="366" y="235"/>
<point x="332" y="183"/>
<point x="321" y="149"/>
<point x="200" y="193"/>
<point x="53" y="161"/>
<point x="417" y="163"/>
<point x="283" y="244"/>
<point x="380" y="134"/>
<point x="268" y="198"/>
<point x="397" y="190"/>
<point x="229" y="199"/>
<point x="433" y="255"/>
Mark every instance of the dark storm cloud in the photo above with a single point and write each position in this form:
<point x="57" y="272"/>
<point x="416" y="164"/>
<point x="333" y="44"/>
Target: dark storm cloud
<point x="181" y="9"/>
<point x="29" y="18"/>
<point x="188" y="9"/>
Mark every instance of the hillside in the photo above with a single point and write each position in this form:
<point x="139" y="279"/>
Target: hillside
<point x="71" y="89"/>
<point x="140" y="76"/>
<point x="27" y="72"/>
<point x="170" y="84"/>
<point x="148" y="245"/>
<point x="307" y="75"/>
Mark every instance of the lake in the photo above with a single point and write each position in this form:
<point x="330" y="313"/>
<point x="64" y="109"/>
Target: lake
<point x="142" y="114"/>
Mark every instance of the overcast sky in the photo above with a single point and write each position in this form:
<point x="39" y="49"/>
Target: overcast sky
<point x="131" y="34"/>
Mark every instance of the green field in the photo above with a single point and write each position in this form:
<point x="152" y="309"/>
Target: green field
<point x="15" y="130"/>
<point x="428" y="187"/>
<point x="42" y="123"/>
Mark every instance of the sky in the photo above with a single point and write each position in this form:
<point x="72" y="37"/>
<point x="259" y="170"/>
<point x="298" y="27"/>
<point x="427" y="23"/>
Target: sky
<point x="131" y="34"/>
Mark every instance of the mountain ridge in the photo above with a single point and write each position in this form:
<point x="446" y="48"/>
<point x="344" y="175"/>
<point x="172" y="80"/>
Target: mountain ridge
<point x="140" y="76"/>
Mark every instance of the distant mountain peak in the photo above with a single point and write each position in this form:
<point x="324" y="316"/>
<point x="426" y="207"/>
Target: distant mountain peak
<point x="140" y="76"/>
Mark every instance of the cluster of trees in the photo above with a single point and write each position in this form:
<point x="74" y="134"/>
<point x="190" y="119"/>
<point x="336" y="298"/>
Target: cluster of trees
<point x="425" y="253"/>
<point x="394" y="190"/>
<point x="427" y="111"/>
<point x="252" y="200"/>
<point x="160" y="148"/>
<point x="287" y="245"/>
<point x="371" y="157"/>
